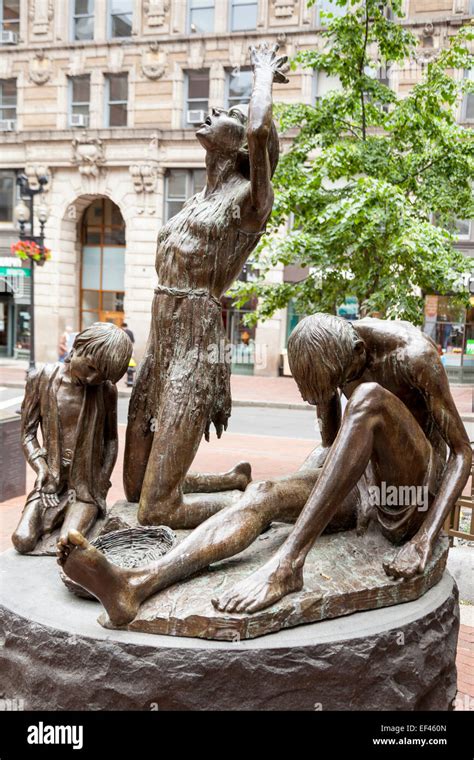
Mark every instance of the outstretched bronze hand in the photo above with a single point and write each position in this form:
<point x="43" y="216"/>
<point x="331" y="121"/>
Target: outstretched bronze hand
<point x="265" y="57"/>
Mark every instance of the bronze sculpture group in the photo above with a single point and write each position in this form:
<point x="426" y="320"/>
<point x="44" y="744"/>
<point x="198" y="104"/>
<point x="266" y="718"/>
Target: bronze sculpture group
<point x="400" y="427"/>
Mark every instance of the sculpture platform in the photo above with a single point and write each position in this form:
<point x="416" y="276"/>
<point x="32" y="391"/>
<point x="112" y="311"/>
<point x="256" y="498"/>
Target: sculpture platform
<point x="343" y="574"/>
<point x="55" y="656"/>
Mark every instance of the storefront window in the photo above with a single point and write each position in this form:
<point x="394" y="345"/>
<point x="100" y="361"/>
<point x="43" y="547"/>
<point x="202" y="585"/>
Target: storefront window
<point x="451" y="327"/>
<point x="23" y="324"/>
<point x="240" y="336"/>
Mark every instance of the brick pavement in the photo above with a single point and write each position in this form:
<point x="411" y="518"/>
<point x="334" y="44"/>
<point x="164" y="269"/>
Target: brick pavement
<point x="465" y="666"/>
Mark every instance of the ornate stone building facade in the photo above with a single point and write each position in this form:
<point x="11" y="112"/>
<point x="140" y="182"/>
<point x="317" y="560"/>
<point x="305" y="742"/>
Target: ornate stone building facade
<point x="102" y="96"/>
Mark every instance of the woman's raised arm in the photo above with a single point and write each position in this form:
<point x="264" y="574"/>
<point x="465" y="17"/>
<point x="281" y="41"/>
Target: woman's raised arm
<point x="267" y="68"/>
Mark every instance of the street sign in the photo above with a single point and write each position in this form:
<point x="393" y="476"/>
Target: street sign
<point x="14" y="272"/>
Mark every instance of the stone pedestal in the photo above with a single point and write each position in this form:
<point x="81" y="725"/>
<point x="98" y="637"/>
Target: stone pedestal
<point x="55" y="656"/>
<point x="12" y="459"/>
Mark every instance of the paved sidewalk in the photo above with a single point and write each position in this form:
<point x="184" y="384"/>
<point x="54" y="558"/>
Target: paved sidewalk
<point x="246" y="389"/>
<point x="465" y="667"/>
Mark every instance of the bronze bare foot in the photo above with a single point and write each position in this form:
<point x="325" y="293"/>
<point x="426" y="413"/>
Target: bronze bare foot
<point x="262" y="588"/>
<point x="243" y="473"/>
<point x="88" y="567"/>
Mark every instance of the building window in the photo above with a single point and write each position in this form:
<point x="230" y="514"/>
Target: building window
<point x="117" y="100"/>
<point x="381" y="74"/>
<point x="7" y="195"/>
<point x="468" y="100"/>
<point x="324" y="83"/>
<point x="197" y="100"/>
<point x="8" y="103"/>
<point x="239" y="87"/>
<point x="83" y="20"/>
<point x="121" y="15"/>
<point x="463" y="228"/>
<point x="243" y="15"/>
<point x="103" y="264"/>
<point x="80" y="95"/>
<point x="181" y="184"/>
<point x="201" y="16"/>
<point x="10" y="16"/>
<point x="329" y="6"/>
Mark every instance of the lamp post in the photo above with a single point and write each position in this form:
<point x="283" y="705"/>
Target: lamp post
<point x="24" y="212"/>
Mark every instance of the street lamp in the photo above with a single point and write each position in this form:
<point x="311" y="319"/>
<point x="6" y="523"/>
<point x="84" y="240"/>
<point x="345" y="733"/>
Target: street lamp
<point x="24" y="212"/>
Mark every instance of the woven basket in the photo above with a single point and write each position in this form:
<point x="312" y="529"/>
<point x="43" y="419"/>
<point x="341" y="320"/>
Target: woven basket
<point x="129" y="547"/>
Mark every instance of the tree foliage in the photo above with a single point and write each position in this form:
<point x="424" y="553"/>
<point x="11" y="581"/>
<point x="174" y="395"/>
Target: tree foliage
<point x="372" y="181"/>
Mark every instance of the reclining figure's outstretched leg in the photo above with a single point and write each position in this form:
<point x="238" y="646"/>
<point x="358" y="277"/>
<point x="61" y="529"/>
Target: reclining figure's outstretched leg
<point x="223" y="535"/>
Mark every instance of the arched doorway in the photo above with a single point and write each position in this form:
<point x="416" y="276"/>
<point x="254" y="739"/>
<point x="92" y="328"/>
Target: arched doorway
<point x="102" y="264"/>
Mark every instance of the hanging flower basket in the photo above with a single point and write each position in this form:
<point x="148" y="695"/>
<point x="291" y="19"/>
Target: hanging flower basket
<point x="28" y="249"/>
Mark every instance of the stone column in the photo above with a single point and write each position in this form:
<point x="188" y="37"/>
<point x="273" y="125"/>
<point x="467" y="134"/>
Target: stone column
<point x="24" y="20"/>
<point x="307" y="15"/>
<point x="101" y="21"/>
<point x="222" y="17"/>
<point x="262" y="14"/>
<point x="96" y="112"/>
<point x="178" y="17"/>
<point x="62" y="121"/>
<point x="178" y="97"/>
<point x="21" y="85"/>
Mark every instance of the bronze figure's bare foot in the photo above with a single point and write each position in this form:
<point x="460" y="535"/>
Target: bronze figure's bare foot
<point x="88" y="567"/>
<point x="243" y="473"/>
<point x="262" y="588"/>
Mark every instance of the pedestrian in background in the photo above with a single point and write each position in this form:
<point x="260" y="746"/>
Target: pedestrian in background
<point x="126" y="329"/>
<point x="65" y="343"/>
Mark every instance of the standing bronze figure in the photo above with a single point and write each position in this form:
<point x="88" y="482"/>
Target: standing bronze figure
<point x="400" y="428"/>
<point x="180" y="389"/>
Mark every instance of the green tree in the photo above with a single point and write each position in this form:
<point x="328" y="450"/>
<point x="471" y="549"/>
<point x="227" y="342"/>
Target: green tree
<point x="373" y="182"/>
